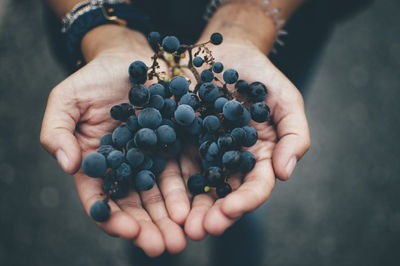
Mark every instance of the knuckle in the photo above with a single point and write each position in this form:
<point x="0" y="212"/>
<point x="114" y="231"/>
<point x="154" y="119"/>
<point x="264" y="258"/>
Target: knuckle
<point x="130" y="203"/>
<point x="152" y="199"/>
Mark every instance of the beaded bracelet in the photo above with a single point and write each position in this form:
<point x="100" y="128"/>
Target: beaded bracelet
<point x="265" y="5"/>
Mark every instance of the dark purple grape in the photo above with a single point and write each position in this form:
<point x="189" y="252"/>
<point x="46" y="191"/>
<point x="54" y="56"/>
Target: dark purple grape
<point x="219" y="104"/>
<point x="230" y="76"/>
<point x="216" y="38"/>
<point x="184" y="115"/>
<point x="198" y="61"/>
<point x="149" y="118"/>
<point x="137" y="72"/>
<point x="242" y="87"/>
<point x="139" y="95"/>
<point x="209" y="92"/>
<point x="158" y="89"/>
<point x="196" y="184"/>
<point x="191" y="99"/>
<point x="258" y="91"/>
<point x="106" y="140"/>
<point x="231" y="159"/>
<point x="218" y="67"/>
<point x="247" y="161"/>
<point x="121" y="135"/>
<point x="135" y="157"/>
<point x="214" y="176"/>
<point x="251" y="136"/>
<point x="233" y="110"/>
<point x="179" y="85"/>
<point x="207" y="75"/>
<point x="260" y="112"/>
<point x="169" y="108"/>
<point x="146" y="138"/>
<point x="105" y="150"/>
<point x="144" y="180"/>
<point x="132" y="123"/>
<point x="170" y="44"/>
<point x="100" y="211"/>
<point x="115" y="158"/>
<point x="211" y="123"/>
<point x="94" y="164"/>
<point x="223" y="190"/>
<point x="166" y="134"/>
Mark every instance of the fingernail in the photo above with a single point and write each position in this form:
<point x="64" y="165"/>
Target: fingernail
<point x="290" y="166"/>
<point x="62" y="159"/>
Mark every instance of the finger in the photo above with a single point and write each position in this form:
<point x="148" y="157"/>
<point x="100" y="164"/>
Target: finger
<point x="173" y="235"/>
<point x="215" y="221"/>
<point x="255" y="190"/>
<point x="150" y="238"/>
<point x="194" y="227"/>
<point x="292" y="128"/>
<point x="57" y="133"/>
<point x="119" y="223"/>
<point x="173" y="190"/>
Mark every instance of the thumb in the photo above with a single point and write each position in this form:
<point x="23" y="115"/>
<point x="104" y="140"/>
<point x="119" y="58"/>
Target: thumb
<point x="57" y="133"/>
<point x="293" y="132"/>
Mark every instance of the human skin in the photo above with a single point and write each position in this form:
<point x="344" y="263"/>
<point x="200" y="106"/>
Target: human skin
<point x="77" y="116"/>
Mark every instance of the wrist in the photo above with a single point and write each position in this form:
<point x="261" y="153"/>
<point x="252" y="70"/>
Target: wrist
<point x="113" y="38"/>
<point x="245" y="23"/>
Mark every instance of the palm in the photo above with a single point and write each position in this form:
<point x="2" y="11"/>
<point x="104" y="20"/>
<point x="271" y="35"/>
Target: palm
<point x="211" y="215"/>
<point x="95" y="89"/>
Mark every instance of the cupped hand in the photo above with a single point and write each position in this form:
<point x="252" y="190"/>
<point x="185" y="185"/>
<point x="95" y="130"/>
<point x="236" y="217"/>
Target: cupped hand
<point x="280" y="143"/>
<point x="77" y="116"/>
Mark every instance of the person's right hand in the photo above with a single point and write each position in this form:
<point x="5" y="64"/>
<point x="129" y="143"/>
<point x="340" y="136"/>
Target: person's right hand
<point x="77" y="116"/>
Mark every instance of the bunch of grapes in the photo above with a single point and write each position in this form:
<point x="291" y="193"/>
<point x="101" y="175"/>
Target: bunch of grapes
<point x="212" y="114"/>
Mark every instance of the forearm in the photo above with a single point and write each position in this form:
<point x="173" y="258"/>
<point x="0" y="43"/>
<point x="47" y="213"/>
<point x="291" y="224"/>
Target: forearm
<point x="62" y="7"/>
<point x="248" y="22"/>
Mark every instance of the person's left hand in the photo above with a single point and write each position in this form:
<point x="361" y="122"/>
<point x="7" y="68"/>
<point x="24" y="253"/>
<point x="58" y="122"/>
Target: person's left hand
<point x="280" y="144"/>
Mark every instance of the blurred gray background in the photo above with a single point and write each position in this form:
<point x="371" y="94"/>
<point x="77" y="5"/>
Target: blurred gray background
<point x="341" y="207"/>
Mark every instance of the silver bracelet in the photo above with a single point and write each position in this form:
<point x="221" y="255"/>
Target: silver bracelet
<point x="272" y="12"/>
<point x="82" y="8"/>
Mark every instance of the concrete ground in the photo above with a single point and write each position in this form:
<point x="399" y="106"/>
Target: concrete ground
<point x="341" y="206"/>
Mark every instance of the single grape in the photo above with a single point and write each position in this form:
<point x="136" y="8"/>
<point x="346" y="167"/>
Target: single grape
<point x="208" y="92"/>
<point x="231" y="159"/>
<point x="144" y="180"/>
<point x="251" y="136"/>
<point x="100" y="211"/>
<point x="218" y="67"/>
<point x="149" y="118"/>
<point x="242" y="87"/>
<point x="230" y="76"/>
<point x="154" y="38"/>
<point x="132" y="123"/>
<point x="216" y="38"/>
<point x="244" y="119"/>
<point x="137" y="72"/>
<point x="116" y="112"/>
<point x="223" y="190"/>
<point x="203" y="149"/>
<point x="207" y="75"/>
<point x="135" y="157"/>
<point x="170" y="44"/>
<point x="127" y="111"/>
<point x="169" y="108"/>
<point x="191" y="99"/>
<point x="196" y="184"/>
<point x="258" y="91"/>
<point x="219" y="104"/>
<point x="198" y="61"/>
<point x="226" y="142"/>
<point x="179" y="85"/>
<point x="238" y="134"/>
<point x="196" y="126"/>
<point x="260" y="112"/>
<point x="106" y="140"/>
<point x="211" y="123"/>
<point x="184" y="115"/>
<point x="94" y="164"/>
<point x="145" y="138"/>
<point x="233" y="110"/>
<point x="124" y="170"/>
<point x="105" y="150"/>
<point x="121" y="135"/>
<point x="213" y="152"/>
<point x="156" y="101"/>
<point x="166" y="134"/>
<point x="115" y="159"/>
<point x="118" y="186"/>
<point x="139" y="95"/>
<point x="158" y="89"/>
<point x="247" y="161"/>
<point x="214" y="176"/>
<point x="147" y="163"/>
